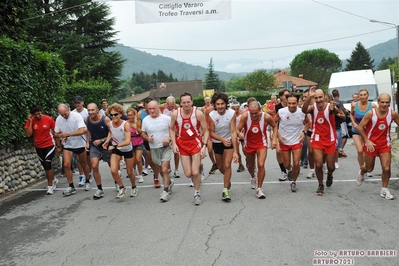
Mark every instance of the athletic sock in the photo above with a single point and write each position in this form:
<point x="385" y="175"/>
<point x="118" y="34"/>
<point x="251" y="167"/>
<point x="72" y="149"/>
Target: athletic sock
<point x="282" y="168"/>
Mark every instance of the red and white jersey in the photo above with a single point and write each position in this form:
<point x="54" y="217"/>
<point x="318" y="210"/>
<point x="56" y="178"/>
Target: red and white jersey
<point x="323" y="125"/>
<point x="291" y="125"/>
<point x="188" y="128"/>
<point x="255" y="133"/>
<point x="378" y="129"/>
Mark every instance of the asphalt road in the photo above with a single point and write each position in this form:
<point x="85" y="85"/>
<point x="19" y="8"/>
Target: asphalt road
<point x="283" y="229"/>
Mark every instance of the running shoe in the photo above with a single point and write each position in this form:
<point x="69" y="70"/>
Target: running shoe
<point x="369" y="174"/>
<point x="99" y="194"/>
<point x="320" y="190"/>
<point x="191" y="184"/>
<point x="197" y="199"/>
<point x="213" y="169"/>
<point x="141" y="179"/>
<point x="329" y="180"/>
<point x="116" y="187"/>
<point x="171" y="183"/>
<point x="289" y="175"/>
<point x="87" y="186"/>
<point x="225" y="195"/>
<point x="176" y="174"/>
<point x="386" y="195"/>
<point x="164" y="196"/>
<point x="293" y="187"/>
<point x="145" y="171"/>
<point x="69" y="191"/>
<point x="360" y="179"/>
<point x="55" y="182"/>
<point x="253" y="183"/>
<point x="341" y="153"/>
<point x="157" y="184"/>
<point x="336" y="165"/>
<point x="202" y="174"/>
<point x="310" y="175"/>
<point x="283" y="177"/>
<point x="91" y="178"/>
<point x="50" y="190"/>
<point x="82" y="181"/>
<point x="134" y="192"/>
<point x="241" y="168"/>
<point x="325" y="168"/>
<point x="305" y="166"/>
<point x="121" y="193"/>
<point x="260" y="194"/>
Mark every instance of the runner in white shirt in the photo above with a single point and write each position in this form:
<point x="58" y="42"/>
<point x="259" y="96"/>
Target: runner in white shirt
<point x="222" y="128"/>
<point x="155" y="129"/>
<point x="69" y="128"/>
<point x="291" y="134"/>
<point x="80" y="109"/>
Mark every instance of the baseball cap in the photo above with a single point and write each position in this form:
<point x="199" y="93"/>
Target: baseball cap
<point x="78" y="99"/>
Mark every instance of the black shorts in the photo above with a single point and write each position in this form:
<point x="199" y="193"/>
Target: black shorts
<point x="219" y="148"/>
<point x="46" y="155"/>
<point x="126" y="154"/>
<point x="76" y="150"/>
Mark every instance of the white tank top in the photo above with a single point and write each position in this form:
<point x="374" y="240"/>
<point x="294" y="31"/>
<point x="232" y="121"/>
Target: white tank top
<point x="222" y="123"/>
<point x="118" y="136"/>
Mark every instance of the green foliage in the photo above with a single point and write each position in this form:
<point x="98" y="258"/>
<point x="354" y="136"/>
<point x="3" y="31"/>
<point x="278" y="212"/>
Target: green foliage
<point x="27" y="77"/>
<point x="384" y="64"/>
<point x="146" y="82"/>
<point x="360" y="59"/>
<point x="234" y="84"/>
<point x="81" y="36"/>
<point x="258" y="80"/>
<point x="212" y="81"/>
<point x="11" y="23"/>
<point x="316" y="65"/>
<point x="92" y="91"/>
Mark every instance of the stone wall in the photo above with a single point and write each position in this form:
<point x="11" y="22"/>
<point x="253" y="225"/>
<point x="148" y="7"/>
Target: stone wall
<point x="21" y="167"/>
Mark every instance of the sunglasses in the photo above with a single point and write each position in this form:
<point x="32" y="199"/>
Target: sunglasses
<point x="115" y="114"/>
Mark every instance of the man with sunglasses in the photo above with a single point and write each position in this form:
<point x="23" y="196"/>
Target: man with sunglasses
<point x="69" y="128"/>
<point x="41" y="127"/>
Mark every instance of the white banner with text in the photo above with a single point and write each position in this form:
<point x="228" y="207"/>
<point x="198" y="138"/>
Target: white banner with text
<point x="158" y="11"/>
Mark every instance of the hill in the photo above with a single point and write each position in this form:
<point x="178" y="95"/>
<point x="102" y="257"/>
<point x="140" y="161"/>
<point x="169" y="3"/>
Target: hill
<point x="138" y="61"/>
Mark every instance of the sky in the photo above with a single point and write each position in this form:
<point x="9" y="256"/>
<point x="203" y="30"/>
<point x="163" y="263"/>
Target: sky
<point x="261" y="34"/>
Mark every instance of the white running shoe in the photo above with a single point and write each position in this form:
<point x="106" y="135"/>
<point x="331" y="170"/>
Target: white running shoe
<point x="386" y="195"/>
<point x="310" y="175"/>
<point x="336" y="165"/>
<point x="145" y="171"/>
<point x="176" y="174"/>
<point x="69" y="191"/>
<point x="283" y="177"/>
<point x="164" y="196"/>
<point x="82" y="180"/>
<point x="141" y="179"/>
<point x="134" y="192"/>
<point x="360" y="179"/>
<point x="197" y="199"/>
<point x="55" y="182"/>
<point x="99" y="194"/>
<point x="253" y="183"/>
<point x="87" y="186"/>
<point x="121" y="193"/>
<point x="191" y="184"/>
<point x="369" y="174"/>
<point x="260" y="194"/>
<point x="50" y="190"/>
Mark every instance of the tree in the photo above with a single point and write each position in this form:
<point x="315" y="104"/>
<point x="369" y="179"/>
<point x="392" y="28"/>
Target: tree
<point x="316" y="65"/>
<point x="212" y="81"/>
<point x="360" y="59"/>
<point x="384" y="64"/>
<point x="235" y="84"/>
<point x="80" y="31"/>
<point x="12" y="24"/>
<point x="258" y="80"/>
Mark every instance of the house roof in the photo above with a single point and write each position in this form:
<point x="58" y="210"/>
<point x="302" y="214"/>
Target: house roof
<point x="282" y="76"/>
<point x="165" y="89"/>
<point x="136" y="98"/>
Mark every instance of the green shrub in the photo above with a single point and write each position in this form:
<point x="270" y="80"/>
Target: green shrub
<point x="27" y="77"/>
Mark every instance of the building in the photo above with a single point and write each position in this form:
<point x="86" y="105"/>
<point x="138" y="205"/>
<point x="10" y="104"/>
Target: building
<point x="292" y="83"/>
<point x="165" y="89"/>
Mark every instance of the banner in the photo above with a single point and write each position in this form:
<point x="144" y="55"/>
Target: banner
<point x="158" y="11"/>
